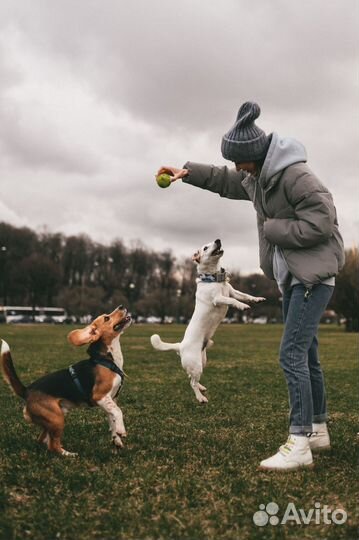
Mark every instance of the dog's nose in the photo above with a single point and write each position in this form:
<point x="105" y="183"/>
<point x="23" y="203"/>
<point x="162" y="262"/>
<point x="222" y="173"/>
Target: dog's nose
<point x="218" y="242"/>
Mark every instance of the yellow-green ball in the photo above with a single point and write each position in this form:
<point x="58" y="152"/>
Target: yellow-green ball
<point x="163" y="180"/>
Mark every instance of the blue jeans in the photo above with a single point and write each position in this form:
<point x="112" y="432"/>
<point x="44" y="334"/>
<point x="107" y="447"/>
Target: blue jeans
<point x="299" y="359"/>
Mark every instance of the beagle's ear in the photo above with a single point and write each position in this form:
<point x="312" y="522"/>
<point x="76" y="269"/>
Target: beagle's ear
<point x="84" y="336"/>
<point x="196" y="257"/>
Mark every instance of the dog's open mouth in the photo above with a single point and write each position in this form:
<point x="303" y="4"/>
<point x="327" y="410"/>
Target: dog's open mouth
<point x="218" y="251"/>
<point x="122" y="323"/>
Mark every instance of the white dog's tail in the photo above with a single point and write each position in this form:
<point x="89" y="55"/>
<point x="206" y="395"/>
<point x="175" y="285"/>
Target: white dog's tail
<point x="160" y="345"/>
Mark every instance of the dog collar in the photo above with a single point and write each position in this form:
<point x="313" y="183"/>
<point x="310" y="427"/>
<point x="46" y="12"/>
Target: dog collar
<point x="217" y="277"/>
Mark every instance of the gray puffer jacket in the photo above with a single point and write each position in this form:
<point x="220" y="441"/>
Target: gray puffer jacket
<point x="295" y="211"/>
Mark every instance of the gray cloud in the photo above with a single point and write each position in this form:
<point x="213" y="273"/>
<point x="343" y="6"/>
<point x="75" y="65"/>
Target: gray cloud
<point x="30" y="144"/>
<point x="151" y="56"/>
<point x="95" y="97"/>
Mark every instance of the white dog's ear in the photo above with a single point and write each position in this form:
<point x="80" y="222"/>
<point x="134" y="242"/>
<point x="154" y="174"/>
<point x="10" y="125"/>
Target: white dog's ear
<point x="196" y="257"/>
<point x="83" y="336"/>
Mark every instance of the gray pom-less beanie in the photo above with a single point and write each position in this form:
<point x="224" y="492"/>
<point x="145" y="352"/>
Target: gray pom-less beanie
<point x="245" y="141"/>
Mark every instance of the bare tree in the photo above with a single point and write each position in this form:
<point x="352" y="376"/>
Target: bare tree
<point x="346" y="295"/>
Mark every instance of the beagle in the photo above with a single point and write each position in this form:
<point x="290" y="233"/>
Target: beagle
<point x="94" y="381"/>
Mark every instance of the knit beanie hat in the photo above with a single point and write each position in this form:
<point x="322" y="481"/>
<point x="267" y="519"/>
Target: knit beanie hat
<point x="245" y="141"/>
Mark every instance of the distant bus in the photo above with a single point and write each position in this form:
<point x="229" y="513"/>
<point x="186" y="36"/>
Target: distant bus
<point x="26" y="314"/>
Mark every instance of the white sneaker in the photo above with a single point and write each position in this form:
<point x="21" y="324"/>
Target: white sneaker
<point x="319" y="439"/>
<point x="295" y="453"/>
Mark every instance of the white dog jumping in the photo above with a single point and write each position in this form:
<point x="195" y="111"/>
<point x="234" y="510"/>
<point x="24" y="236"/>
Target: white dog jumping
<point x="213" y="297"/>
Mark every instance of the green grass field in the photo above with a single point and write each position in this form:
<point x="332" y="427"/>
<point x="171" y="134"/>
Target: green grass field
<point x="188" y="471"/>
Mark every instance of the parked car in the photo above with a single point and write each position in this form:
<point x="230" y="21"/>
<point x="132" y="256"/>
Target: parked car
<point x="260" y="320"/>
<point x="153" y="320"/>
<point x="29" y="314"/>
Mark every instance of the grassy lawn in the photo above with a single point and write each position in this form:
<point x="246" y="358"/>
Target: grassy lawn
<point x="188" y="471"/>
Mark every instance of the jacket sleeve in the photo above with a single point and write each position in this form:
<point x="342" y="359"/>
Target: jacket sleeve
<point x="222" y="180"/>
<point x="314" y="219"/>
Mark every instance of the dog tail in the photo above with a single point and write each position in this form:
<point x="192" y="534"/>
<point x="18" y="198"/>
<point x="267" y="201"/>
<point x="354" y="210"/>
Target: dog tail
<point x="9" y="372"/>
<point x="160" y="345"/>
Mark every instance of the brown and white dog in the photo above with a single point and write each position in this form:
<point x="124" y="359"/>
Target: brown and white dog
<point x="94" y="381"/>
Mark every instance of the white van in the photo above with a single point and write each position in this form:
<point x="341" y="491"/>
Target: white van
<point x="27" y="314"/>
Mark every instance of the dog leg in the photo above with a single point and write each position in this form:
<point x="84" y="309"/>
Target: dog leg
<point x="243" y="297"/>
<point x="194" y="370"/>
<point x="225" y="300"/>
<point x="48" y="414"/>
<point x="43" y="438"/>
<point x="54" y="444"/>
<point x="197" y="387"/>
<point x="204" y="358"/>
<point x="204" y="363"/>
<point x="53" y="439"/>
<point x="115" y="418"/>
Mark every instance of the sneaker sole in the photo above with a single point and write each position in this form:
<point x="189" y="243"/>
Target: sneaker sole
<point x="279" y="469"/>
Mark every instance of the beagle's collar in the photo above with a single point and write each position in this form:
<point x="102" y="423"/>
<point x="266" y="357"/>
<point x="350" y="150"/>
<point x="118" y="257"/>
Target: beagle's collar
<point x="216" y="277"/>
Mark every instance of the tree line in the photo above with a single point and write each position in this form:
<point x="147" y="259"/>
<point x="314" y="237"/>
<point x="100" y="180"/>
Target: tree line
<point x="87" y="277"/>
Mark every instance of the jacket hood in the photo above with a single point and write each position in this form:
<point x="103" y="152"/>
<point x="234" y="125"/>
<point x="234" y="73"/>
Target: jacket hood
<point x="282" y="152"/>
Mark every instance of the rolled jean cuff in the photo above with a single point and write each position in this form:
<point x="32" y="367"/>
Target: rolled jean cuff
<point x="320" y="418"/>
<point x="300" y="430"/>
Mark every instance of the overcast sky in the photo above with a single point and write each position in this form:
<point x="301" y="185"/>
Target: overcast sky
<point x="96" y="95"/>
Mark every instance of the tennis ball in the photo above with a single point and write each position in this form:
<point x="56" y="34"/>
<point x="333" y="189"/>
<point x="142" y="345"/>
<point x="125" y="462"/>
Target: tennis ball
<point x="163" y="180"/>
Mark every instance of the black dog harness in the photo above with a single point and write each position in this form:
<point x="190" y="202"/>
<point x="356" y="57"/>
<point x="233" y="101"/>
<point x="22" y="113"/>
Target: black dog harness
<point x="109" y="365"/>
<point x="96" y="361"/>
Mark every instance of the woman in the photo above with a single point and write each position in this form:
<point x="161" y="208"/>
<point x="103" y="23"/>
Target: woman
<point x="299" y="246"/>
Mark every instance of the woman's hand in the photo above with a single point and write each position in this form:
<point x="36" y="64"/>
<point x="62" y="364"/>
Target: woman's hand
<point x="173" y="172"/>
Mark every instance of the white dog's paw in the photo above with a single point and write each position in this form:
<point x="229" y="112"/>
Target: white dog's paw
<point x="257" y="299"/>
<point x="202" y="399"/>
<point x="117" y="441"/>
<point x="241" y="306"/>
<point x="202" y="388"/>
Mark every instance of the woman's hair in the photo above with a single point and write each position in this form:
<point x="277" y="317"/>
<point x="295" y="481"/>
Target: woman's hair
<point x="259" y="163"/>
